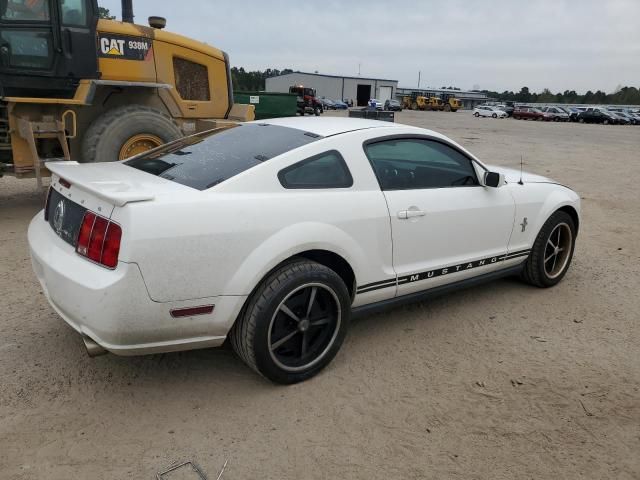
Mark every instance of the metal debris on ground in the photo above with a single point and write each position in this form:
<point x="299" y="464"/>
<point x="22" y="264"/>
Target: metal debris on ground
<point x="182" y="471"/>
<point x="222" y="471"/>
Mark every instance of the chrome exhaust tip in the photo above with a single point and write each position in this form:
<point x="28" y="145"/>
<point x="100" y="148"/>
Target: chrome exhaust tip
<point x="93" y="349"/>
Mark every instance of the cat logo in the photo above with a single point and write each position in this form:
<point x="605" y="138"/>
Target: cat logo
<point x="112" y="46"/>
<point x="124" y="47"/>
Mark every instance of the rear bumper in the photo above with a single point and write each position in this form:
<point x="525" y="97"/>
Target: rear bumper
<point x="113" y="307"/>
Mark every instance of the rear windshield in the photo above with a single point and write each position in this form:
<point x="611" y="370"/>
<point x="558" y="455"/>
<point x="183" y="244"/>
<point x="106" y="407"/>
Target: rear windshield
<point x="204" y="160"/>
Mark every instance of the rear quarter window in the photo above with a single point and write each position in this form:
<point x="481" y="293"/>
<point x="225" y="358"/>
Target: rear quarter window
<point x="326" y="170"/>
<point x="204" y="160"/>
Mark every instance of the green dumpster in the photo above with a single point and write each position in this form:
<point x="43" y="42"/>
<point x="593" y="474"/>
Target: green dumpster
<point x="269" y="104"/>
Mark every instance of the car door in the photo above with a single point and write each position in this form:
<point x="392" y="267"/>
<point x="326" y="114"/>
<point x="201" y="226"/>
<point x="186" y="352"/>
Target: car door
<point x="445" y="226"/>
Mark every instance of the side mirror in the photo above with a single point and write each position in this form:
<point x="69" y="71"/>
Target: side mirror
<point x="493" y="179"/>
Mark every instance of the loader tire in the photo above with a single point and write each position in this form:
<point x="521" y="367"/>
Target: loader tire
<point x="126" y="131"/>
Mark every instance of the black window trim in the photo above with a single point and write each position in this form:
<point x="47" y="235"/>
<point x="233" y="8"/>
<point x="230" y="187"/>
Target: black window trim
<point x="410" y="136"/>
<point x="311" y="186"/>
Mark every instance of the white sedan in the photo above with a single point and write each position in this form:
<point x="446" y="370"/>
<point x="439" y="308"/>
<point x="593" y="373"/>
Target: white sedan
<point x="273" y="233"/>
<point x="377" y="104"/>
<point x="484" y="111"/>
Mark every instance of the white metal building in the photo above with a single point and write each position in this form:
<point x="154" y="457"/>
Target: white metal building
<point x="336" y="87"/>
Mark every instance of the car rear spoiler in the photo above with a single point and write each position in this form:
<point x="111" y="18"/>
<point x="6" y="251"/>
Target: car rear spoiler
<point x="101" y="182"/>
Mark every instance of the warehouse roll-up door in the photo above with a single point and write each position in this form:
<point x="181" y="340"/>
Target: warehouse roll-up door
<point x="385" y="94"/>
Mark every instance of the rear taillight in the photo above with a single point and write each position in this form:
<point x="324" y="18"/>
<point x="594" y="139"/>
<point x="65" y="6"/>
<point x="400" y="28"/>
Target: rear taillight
<point x="99" y="240"/>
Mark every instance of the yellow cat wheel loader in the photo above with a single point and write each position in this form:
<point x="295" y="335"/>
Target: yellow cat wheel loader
<point x="421" y="102"/>
<point x="450" y="102"/>
<point x="93" y="90"/>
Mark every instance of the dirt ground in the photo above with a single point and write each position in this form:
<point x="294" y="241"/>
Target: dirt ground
<point x="503" y="381"/>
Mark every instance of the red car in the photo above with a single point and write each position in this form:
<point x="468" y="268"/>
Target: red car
<point x="528" y="113"/>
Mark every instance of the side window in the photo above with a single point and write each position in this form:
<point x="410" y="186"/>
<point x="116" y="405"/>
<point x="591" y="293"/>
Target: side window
<point x="28" y="49"/>
<point x="407" y="164"/>
<point x="74" y="12"/>
<point x="327" y="170"/>
<point x="192" y="80"/>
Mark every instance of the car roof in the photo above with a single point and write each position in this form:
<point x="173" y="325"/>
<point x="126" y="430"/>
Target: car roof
<point x="326" y="126"/>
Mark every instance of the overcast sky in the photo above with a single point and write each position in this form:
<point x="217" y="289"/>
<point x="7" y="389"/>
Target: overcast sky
<point x="489" y="44"/>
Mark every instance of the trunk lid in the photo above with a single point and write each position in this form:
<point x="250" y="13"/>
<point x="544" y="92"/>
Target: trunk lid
<point x="114" y="183"/>
<point x="99" y="188"/>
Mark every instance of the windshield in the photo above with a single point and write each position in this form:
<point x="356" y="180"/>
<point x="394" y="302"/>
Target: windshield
<point x="25" y="10"/>
<point x="204" y="160"/>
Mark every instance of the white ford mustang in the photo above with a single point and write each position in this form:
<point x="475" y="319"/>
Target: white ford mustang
<point x="273" y="233"/>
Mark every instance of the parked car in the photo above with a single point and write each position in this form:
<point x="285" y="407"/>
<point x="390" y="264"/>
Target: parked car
<point x="597" y="115"/>
<point x="327" y="104"/>
<point x="555" y="114"/>
<point x="375" y="103"/>
<point x="507" y="107"/>
<point x="635" y="116"/>
<point x="575" y="112"/>
<point x="624" y="117"/>
<point x="627" y="113"/>
<point x="484" y="111"/>
<point x="340" y="105"/>
<point x="527" y="113"/>
<point x="176" y="249"/>
<point x="393" y="105"/>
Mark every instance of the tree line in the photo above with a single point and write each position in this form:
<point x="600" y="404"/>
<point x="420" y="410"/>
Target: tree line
<point x="244" y="81"/>
<point x="622" y="96"/>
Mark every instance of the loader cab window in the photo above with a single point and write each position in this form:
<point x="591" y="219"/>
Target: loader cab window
<point x="74" y="12"/>
<point x="25" y="10"/>
<point x="192" y="80"/>
<point x="25" y="34"/>
<point x="27" y="49"/>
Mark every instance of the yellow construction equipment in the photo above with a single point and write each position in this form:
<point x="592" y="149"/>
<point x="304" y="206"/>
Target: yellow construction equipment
<point x="450" y="102"/>
<point x="78" y="87"/>
<point x="416" y="101"/>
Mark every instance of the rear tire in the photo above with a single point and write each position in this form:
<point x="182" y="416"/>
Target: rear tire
<point x="129" y="129"/>
<point x="306" y="343"/>
<point x="495" y="115"/>
<point x="552" y="251"/>
<point x="476" y="114"/>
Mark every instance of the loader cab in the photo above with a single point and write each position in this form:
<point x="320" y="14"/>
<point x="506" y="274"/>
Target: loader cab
<point x="47" y="46"/>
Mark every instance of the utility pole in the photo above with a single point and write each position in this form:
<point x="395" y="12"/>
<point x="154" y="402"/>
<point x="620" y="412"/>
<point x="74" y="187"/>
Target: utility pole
<point x="419" y="74"/>
<point x="358" y="68"/>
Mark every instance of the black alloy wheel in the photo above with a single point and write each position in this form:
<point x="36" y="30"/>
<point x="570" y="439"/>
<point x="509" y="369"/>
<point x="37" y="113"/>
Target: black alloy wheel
<point x="304" y="326"/>
<point x="294" y="322"/>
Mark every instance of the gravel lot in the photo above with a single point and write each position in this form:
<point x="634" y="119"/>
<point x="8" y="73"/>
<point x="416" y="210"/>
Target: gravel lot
<point x="503" y="381"/>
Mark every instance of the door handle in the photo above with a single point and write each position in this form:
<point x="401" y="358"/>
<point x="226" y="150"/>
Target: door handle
<point x="405" y="214"/>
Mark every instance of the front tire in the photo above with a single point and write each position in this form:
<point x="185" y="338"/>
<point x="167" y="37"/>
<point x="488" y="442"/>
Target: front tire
<point x="476" y="114"/>
<point x="126" y="131"/>
<point x="495" y="115"/>
<point x="294" y="323"/>
<point x="552" y="251"/>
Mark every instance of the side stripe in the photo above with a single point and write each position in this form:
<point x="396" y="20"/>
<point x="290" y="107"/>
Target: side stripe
<point x="416" y="277"/>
